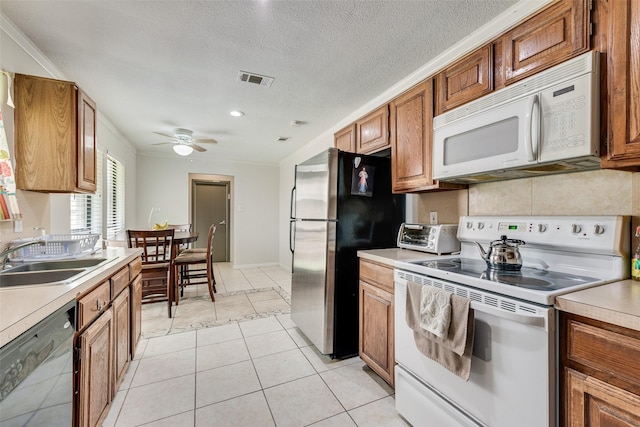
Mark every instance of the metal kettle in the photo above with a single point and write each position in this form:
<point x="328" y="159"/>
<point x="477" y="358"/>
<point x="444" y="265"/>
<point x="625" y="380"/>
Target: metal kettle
<point x="503" y="254"/>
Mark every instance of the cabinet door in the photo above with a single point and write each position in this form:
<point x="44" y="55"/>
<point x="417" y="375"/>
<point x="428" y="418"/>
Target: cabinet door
<point x="136" y="313"/>
<point x="376" y="347"/>
<point x="411" y="118"/>
<point x="591" y="402"/>
<point x="372" y="131"/>
<point x="345" y="139"/>
<point x="549" y="38"/>
<point x="86" y="143"/>
<point x="45" y="134"/>
<point x="96" y="371"/>
<point x="619" y="22"/>
<point x="121" y="338"/>
<point x="466" y="80"/>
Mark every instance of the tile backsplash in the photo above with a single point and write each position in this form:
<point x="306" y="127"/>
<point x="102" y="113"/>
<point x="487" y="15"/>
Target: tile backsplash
<point x="602" y="192"/>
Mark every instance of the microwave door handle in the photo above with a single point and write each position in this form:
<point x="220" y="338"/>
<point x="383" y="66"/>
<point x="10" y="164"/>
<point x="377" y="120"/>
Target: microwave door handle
<point x="534" y="129"/>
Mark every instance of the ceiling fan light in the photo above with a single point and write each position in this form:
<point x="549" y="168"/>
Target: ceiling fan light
<point x="183" y="150"/>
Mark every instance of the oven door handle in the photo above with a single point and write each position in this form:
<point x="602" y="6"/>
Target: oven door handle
<point x="526" y="319"/>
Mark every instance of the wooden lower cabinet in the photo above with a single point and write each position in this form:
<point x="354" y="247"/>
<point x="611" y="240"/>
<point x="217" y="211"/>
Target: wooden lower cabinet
<point x="136" y="314"/>
<point x="591" y="402"/>
<point x="109" y="325"/>
<point x="122" y="340"/>
<point x="95" y="371"/>
<point x="375" y="346"/>
<point x="600" y="376"/>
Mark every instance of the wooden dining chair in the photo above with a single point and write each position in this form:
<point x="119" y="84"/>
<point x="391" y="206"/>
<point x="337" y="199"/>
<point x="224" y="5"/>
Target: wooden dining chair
<point x="185" y="274"/>
<point x="181" y="228"/>
<point x="158" y="253"/>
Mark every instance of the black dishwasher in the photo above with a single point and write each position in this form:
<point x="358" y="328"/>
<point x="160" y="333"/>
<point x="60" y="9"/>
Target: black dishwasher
<point x="36" y="373"/>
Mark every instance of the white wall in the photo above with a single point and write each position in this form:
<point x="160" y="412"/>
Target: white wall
<point x="163" y="183"/>
<point x="51" y="211"/>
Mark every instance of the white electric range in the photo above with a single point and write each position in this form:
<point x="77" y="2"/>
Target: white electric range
<point x="513" y="369"/>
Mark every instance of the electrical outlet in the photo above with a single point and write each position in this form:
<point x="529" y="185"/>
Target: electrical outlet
<point x="17" y="226"/>
<point x="433" y="217"/>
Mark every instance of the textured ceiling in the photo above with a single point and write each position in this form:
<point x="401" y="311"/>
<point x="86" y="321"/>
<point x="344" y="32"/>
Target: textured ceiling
<point x="152" y="66"/>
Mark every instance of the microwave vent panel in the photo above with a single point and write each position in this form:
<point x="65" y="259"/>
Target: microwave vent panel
<point x="587" y="63"/>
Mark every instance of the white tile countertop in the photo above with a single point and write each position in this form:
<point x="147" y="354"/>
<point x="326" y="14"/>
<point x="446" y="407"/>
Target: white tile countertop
<point x="23" y="307"/>
<point x="617" y="303"/>
<point x="391" y="255"/>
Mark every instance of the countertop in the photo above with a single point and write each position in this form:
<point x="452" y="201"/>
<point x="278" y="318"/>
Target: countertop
<point x="23" y="307"/>
<point x="390" y="256"/>
<point x="617" y="303"/>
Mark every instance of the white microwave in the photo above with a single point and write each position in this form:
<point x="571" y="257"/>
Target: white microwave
<point x="545" y="124"/>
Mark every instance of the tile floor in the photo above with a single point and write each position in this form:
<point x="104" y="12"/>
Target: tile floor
<point x="241" y="362"/>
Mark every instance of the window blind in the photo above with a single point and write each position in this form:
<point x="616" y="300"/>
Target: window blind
<point x="115" y="197"/>
<point x="86" y="209"/>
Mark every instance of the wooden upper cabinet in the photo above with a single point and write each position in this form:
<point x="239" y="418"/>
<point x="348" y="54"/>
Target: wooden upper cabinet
<point x="467" y="79"/>
<point x="411" y="119"/>
<point x="372" y="131"/>
<point x="55" y="136"/>
<point x="617" y="36"/>
<point x="86" y="143"/>
<point x="345" y="139"/>
<point x="552" y="36"/>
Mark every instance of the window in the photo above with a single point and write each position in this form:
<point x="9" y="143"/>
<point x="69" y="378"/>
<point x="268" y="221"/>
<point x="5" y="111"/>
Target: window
<point x="115" y="197"/>
<point x="88" y="210"/>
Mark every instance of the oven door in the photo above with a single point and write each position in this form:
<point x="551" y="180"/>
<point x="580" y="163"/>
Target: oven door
<point x="512" y="368"/>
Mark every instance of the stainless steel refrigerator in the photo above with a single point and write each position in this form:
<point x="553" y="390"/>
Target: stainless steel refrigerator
<point x="341" y="203"/>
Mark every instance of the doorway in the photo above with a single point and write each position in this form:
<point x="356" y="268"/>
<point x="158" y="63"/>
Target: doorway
<point x="211" y="205"/>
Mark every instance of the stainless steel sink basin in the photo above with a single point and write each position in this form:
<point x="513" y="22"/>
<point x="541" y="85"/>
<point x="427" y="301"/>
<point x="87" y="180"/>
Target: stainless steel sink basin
<point x="57" y="265"/>
<point x="10" y="279"/>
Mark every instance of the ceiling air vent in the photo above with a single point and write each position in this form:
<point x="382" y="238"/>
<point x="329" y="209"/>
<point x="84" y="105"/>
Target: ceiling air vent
<point x="257" y="79"/>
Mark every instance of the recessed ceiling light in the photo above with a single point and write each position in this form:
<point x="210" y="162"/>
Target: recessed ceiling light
<point x="237" y="113"/>
<point x="284" y="138"/>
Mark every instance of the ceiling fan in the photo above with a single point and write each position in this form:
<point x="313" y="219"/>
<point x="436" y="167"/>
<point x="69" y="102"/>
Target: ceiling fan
<point x="184" y="143"/>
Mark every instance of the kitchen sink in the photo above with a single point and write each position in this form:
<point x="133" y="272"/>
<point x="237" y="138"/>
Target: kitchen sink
<point x="10" y="279"/>
<point x="57" y="265"/>
<point x="49" y="272"/>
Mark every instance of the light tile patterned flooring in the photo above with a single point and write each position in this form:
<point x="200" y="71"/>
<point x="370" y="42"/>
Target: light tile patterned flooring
<point x="242" y="362"/>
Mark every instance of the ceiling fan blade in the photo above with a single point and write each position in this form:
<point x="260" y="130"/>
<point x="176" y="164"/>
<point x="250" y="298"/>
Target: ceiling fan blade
<point x="205" y="141"/>
<point x="162" y="143"/>
<point x="197" y="147"/>
<point x="164" y="134"/>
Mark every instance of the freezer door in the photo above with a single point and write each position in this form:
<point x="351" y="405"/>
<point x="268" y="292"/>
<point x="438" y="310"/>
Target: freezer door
<point x="316" y="187"/>
<point x="312" y="282"/>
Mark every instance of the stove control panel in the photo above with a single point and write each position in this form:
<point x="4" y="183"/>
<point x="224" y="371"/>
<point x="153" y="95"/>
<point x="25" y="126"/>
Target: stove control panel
<point x="596" y="234"/>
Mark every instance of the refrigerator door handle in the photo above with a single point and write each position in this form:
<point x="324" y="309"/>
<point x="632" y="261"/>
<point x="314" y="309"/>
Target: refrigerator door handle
<point x="291" y="236"/>
<point x="291" y="213"/>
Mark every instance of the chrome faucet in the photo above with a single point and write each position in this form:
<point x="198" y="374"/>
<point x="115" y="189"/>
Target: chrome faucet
<point x="4" y="255"/>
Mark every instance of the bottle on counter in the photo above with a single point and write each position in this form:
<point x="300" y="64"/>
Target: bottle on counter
<point x="635" y="259"/>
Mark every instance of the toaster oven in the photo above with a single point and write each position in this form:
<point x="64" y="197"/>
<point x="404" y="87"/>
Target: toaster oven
<point x="433" y="238"/>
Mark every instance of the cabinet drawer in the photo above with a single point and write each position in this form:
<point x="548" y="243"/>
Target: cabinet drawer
<point x="608" y="352"/>
<point x="135" y="267"/>
<point x="377" y="274"/>
<point x="119" y="281"/>
<point x="93" y="303"/>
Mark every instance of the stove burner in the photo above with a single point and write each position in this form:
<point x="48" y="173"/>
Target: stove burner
<point x="515" y="278"/>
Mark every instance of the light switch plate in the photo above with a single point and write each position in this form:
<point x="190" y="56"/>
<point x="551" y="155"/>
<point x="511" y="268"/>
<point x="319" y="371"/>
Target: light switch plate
<point x="433" y="217"/>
